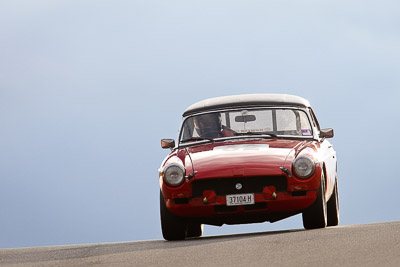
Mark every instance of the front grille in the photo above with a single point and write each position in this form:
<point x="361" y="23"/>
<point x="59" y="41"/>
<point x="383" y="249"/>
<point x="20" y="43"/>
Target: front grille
<point x="225" y="186"/>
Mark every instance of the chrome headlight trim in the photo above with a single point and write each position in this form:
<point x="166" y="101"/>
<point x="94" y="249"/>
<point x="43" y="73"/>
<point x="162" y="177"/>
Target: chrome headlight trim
<point x="174" y="174"/>
<point x="303" y="167"/>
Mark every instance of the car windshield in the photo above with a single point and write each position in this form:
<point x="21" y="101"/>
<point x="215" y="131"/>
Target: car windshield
<point x="272" y="122"/>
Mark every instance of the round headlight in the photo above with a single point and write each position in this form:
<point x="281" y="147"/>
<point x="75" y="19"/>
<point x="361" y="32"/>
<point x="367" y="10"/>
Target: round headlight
<point x="303" y="167"/>
<point x="174" y="175"/>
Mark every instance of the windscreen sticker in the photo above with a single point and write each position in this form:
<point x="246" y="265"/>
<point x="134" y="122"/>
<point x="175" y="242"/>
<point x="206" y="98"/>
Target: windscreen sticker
<point x="306" y="132"/>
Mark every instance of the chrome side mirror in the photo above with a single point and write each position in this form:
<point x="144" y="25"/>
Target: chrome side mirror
<point x="167" y="143"/>
<point x="326" y="133"/>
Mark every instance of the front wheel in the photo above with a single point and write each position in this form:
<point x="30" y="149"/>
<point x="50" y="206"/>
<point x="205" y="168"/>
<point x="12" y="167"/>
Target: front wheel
<point x="333" y="207"/>
<point x="315" y="216"/>
<point x="172" y="226"/>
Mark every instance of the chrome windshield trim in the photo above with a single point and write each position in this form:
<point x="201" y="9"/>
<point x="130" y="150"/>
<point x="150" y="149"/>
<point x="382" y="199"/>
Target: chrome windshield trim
<point x="255" y="137"/>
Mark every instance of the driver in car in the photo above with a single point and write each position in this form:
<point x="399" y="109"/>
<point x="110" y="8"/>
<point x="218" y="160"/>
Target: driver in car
<point x="210" y="126"/>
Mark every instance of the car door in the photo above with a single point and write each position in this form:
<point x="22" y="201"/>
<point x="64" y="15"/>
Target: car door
<point x="328" y="156"/>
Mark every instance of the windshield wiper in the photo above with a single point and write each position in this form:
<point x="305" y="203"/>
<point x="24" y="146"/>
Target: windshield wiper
<point x="259" y="133"/>
<point x="197" y="139"/>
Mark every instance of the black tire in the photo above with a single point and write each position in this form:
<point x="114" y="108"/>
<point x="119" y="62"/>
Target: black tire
<point x="172" y="226"/>
<point x="194" y="230"/>
<point x="315" y="216"/>
<point x="333" y="207"/>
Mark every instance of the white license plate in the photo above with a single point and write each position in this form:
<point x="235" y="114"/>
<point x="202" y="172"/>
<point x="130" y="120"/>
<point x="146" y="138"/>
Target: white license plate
<point x="239" y="199"/>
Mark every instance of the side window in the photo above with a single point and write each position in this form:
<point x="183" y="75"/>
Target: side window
<point x="314" y="119"/>
<point x="188" y="129"/>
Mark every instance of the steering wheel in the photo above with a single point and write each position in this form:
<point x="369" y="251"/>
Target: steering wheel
<point x="211" y="134"/>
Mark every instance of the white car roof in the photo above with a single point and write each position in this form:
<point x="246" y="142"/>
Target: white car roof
<point x="248" y="100"/>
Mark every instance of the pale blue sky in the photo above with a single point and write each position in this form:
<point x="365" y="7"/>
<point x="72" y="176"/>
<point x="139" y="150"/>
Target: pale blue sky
<point x="88" y="89"/>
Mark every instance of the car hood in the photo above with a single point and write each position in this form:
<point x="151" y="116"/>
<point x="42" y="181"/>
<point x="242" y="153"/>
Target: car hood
<point x="232" y="159"/>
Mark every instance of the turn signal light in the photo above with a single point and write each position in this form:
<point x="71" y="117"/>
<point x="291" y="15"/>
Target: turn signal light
<point x="299" y="188"/>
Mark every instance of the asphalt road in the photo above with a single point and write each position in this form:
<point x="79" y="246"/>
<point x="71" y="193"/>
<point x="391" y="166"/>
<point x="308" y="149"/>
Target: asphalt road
<point x="352" y="245"/>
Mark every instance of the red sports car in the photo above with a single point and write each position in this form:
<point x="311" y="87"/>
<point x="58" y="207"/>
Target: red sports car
<point x="247" y="159"/>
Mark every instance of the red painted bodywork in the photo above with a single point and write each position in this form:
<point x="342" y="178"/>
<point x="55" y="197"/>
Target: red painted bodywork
<point x="247" y="158"/>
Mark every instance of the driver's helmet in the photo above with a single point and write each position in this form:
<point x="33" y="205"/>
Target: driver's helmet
<point x="208" y="125"/>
